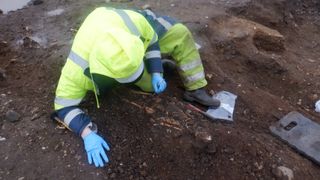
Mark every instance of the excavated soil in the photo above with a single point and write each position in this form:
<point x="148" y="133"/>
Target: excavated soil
<point x="266" y="52"/>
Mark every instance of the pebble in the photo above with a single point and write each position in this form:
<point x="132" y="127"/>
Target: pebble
<point x="203" y="136"/>
<point x="2" y="138"/>
<point x="144" y="164"/>
<point x="12" y="116"/>
<point x="3" y="75"/>
<point x="149" y="110"/>
<point x="283" y="172"/>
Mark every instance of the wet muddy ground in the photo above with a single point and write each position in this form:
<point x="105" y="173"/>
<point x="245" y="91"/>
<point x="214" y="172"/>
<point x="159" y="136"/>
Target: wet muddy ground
<point x="266" y="52"/>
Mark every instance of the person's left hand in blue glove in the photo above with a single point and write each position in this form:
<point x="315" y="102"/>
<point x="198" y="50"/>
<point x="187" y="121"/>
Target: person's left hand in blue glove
<point x="95" y="147"/>
<point x="158" y="83"/>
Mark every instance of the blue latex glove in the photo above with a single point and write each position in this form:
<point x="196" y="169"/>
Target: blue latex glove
<point x="158" y="83"/>
<point x="94" y="146"/>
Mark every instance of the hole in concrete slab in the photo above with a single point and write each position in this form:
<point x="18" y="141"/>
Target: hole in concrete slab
<point x="290" y="126"/>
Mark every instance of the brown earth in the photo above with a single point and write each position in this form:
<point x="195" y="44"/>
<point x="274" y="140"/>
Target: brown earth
<point x="266" y="52"/>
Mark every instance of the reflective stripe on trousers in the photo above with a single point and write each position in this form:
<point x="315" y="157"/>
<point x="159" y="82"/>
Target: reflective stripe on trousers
<point x="191" y="65"/>
<point x="193" y="78"/>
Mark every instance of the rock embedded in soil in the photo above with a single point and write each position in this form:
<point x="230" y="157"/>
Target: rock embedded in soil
<point x="3" y="75"/>
<point x="282" y="172"/>
<point x="202" y="139"/>
<point x="12" y="116"/>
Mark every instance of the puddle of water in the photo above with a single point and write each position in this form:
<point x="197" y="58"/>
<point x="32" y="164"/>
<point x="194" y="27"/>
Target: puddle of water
<point x="55" y="12"/>
<point x="12" y="5"/>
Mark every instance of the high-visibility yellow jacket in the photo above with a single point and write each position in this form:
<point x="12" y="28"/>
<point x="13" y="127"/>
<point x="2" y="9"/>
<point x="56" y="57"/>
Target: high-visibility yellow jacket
<point x="76" y="76"/>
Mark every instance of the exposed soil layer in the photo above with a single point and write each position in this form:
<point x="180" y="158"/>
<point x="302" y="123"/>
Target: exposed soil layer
<point x="266" y="52"/>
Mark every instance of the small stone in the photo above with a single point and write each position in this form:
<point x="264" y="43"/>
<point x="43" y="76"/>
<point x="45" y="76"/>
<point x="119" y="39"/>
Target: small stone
<point x="202" y="139"/>
<point x="3" y="75"/>
<point x="37" y="2"/>
<point x="283" y="172"/>
<point x="299" y="102"/>
<point x="149" y="110"/>
<point x="144" y="164"/>
<point x="12" y="116"/>
<point x="21" y="178"/>
<point x="209" y="76"/>
<point x="2" y="138"/>
<point x="203" y="136"/>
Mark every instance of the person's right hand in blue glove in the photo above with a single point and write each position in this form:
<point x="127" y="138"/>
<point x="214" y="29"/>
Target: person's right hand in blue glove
<point x="95" y="146"/>
<point x="158" y="83"/>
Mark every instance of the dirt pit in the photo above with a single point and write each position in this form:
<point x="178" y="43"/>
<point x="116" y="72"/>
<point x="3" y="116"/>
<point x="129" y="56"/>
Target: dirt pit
<point x="266" y="52"/>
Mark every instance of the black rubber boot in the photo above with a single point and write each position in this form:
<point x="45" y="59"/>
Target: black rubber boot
<point x="168" y="65"/>
<point x="202" y="97"/>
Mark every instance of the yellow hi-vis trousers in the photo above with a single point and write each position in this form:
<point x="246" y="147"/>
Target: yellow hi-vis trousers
<point x="179" y="44"/>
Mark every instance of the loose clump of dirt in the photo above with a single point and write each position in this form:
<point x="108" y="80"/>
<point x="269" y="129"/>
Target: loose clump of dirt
<point x="266" y="52"/>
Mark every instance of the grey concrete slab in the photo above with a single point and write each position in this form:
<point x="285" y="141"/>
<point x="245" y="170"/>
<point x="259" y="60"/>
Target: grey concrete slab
<point x="300" y="133"/>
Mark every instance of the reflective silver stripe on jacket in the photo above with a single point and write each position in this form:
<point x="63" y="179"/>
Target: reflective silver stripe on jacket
<point x="74" y="57"/>
<point x="71" y="115"/>
<point x="127" y="20"/>
<point x="164" y="23"/>
<point x="195" y="77"/>
<point x="153" y="54"/>
<point x="67" y="102"/>
<point x="190" y="65"/>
